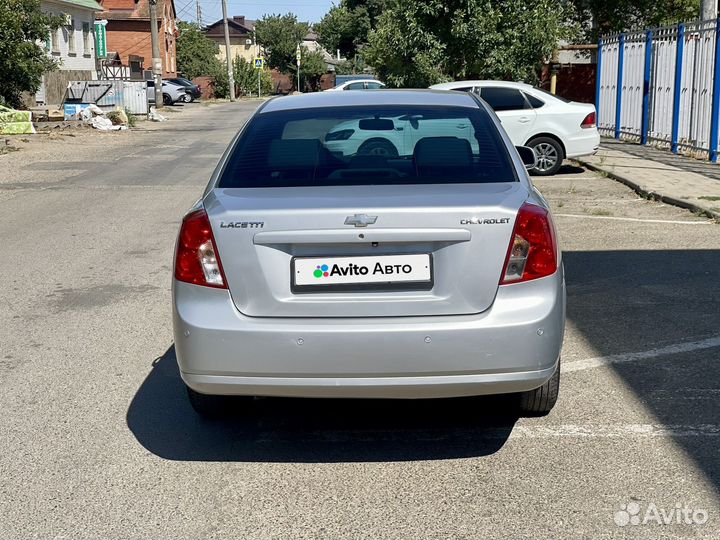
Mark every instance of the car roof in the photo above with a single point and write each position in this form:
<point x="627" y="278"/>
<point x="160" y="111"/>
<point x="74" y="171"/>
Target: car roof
<point x="464" y="84"/>
<point x="370" y="97"/>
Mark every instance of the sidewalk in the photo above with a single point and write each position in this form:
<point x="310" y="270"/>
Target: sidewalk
<point x="661" y="175"/>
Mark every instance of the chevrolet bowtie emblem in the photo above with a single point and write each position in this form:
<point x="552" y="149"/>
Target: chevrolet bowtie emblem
<point x="360" y="220"/>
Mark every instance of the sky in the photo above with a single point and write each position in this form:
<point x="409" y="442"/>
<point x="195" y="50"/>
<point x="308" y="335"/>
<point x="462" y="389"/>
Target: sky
<point x="306" y="10"/>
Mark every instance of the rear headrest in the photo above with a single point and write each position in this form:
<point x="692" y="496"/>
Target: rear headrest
<point x="294" y="153"/>
<point x="442" y="152"/>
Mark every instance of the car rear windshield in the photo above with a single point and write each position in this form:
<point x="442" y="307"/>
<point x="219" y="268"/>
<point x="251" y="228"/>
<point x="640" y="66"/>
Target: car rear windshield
<point x="337" y="146"/>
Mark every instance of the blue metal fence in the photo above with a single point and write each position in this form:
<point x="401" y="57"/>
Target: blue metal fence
<point x="662" y="86"/>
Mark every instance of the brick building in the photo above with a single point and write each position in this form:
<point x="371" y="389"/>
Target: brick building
<point x="128" y="34"/>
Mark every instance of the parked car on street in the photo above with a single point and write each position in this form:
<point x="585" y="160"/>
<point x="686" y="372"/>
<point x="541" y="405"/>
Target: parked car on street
<point x="361" y="84"/>
<point x="312" y="271"/>
<point x="172" y="93"/>
<point x="552" y="126"/>
<point x="192" y="90"/>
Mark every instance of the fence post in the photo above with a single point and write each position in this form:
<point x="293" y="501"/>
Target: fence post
<point x="646" y="88"/>
<point x="678" y="88"/>
<point x="715" y="118"/>
<point x="618" y="99"/>
<point x="598" y="81"/>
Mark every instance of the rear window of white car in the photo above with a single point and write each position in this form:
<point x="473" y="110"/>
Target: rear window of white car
<point x="337" y="146"/>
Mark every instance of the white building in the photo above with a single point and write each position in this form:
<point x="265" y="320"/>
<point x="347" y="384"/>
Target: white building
<point x="72" y="45"/>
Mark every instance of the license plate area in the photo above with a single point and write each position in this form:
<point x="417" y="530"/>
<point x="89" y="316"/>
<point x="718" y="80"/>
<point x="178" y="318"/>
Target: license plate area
<point x="362" y="273"/>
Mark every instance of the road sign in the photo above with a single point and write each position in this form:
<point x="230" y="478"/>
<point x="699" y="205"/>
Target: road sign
<point x="259" y="63"/>
<point x="298" y="53"/>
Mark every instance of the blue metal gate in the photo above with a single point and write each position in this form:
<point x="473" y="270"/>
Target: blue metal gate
<point x="662" y="86"/>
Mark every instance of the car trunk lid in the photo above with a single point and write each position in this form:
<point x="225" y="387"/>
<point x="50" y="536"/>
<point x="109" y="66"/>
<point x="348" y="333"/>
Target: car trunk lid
<point x="272" y="241"/>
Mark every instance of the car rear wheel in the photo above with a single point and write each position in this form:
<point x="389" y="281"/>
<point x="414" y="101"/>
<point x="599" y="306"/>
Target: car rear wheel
<point x="378" y="147"/>
<point x="215" y="407"/>
<point x="187" y="98"/>
<point x="540" y="401"/>
<point x="549" y="155"/>
<point x="167" y="100"/>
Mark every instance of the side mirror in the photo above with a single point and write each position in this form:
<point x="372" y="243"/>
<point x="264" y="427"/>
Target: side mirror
<point x="528" y="156"/>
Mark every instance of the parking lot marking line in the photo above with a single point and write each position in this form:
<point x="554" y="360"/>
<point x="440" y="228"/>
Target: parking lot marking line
<point x="676" y="348"/>
<point x="615" y="218"/>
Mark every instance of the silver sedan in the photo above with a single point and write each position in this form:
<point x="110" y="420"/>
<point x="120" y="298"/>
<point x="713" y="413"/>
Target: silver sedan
<point x="379" y="244"/>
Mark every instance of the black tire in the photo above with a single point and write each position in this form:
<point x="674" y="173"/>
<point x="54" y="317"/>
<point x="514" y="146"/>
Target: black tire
<point x="167" y="100"/>
<point x="540" y="401"/>
<point x="549" y="154"/>
<point x="378" y="147"/>
<point x="214" y="407"/>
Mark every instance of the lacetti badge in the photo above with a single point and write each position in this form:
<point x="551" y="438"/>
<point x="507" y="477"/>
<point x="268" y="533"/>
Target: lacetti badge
<point x="323" y="270"/>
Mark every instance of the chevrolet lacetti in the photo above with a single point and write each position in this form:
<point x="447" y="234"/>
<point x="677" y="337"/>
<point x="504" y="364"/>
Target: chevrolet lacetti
<point x="407" y="256"/>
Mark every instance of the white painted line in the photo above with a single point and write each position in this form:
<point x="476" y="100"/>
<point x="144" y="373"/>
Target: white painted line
<point x="615" y="430"/>
<point x="677" y="348"/>
<point x="613" y="218"/>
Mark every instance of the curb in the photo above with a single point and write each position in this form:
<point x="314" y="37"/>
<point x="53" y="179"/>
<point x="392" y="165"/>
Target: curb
<point x="652" y="195"/>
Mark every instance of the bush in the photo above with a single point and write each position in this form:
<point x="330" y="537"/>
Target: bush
<point x="246" y="78"/>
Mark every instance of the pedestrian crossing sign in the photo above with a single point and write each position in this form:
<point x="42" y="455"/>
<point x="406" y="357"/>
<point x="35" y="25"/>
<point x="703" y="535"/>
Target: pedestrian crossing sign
<point x="259" y="63"/>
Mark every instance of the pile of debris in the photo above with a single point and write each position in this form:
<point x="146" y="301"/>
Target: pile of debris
<point x="111" y="121"/>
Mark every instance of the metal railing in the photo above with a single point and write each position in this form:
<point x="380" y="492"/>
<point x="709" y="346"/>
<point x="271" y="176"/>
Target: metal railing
<point x="662" y="86"/>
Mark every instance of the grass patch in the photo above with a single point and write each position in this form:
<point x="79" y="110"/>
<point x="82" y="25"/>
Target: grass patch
<point x="597" y="212"/>
<point x="132" y="119"/>
<point x="709" y="198"/>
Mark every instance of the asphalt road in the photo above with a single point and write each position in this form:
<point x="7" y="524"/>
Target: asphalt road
<point x="97" y="439"/>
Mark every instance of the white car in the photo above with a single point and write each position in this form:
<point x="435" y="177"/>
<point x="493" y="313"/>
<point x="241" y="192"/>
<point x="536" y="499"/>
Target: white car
<point x="396" y="136"/>
<point x="172" y="93"/>
<point x="552" y="126"/>
<point x="359" y="84"/>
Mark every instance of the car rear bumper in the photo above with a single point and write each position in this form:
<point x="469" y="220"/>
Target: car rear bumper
<point x="512" y="347"/>
<point x="370" y="387"/>
<point x="584" y="144"/>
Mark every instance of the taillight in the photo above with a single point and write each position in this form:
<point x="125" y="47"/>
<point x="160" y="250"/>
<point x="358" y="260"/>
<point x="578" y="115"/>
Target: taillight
<point x="589" y="121"/>
<point x="533" y="250"/>
<point x="196" y="257"/>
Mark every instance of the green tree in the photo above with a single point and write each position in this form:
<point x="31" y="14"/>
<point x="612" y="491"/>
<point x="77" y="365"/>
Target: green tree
<point x="599" y="17"/>
<point x="347" y="25"/>
<point x="312" y="67"/>
<point x="23" y="61"/>
<point x="280" y="35"/>
<point x="344" y="29"/>
<point x="422" y="42"/>
<point x="196" y="53"/>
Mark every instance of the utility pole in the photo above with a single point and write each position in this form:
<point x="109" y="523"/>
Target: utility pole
<point x="198" y="15"/>
<point x="156" y="62"/>
<point x="228" y="57"/>
<point x="708" y="10"/>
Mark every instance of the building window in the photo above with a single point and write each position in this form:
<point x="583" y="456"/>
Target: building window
<point x="71" y="37"/>
<point x="86" y="38"/>
<point x="55" y="38"/>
